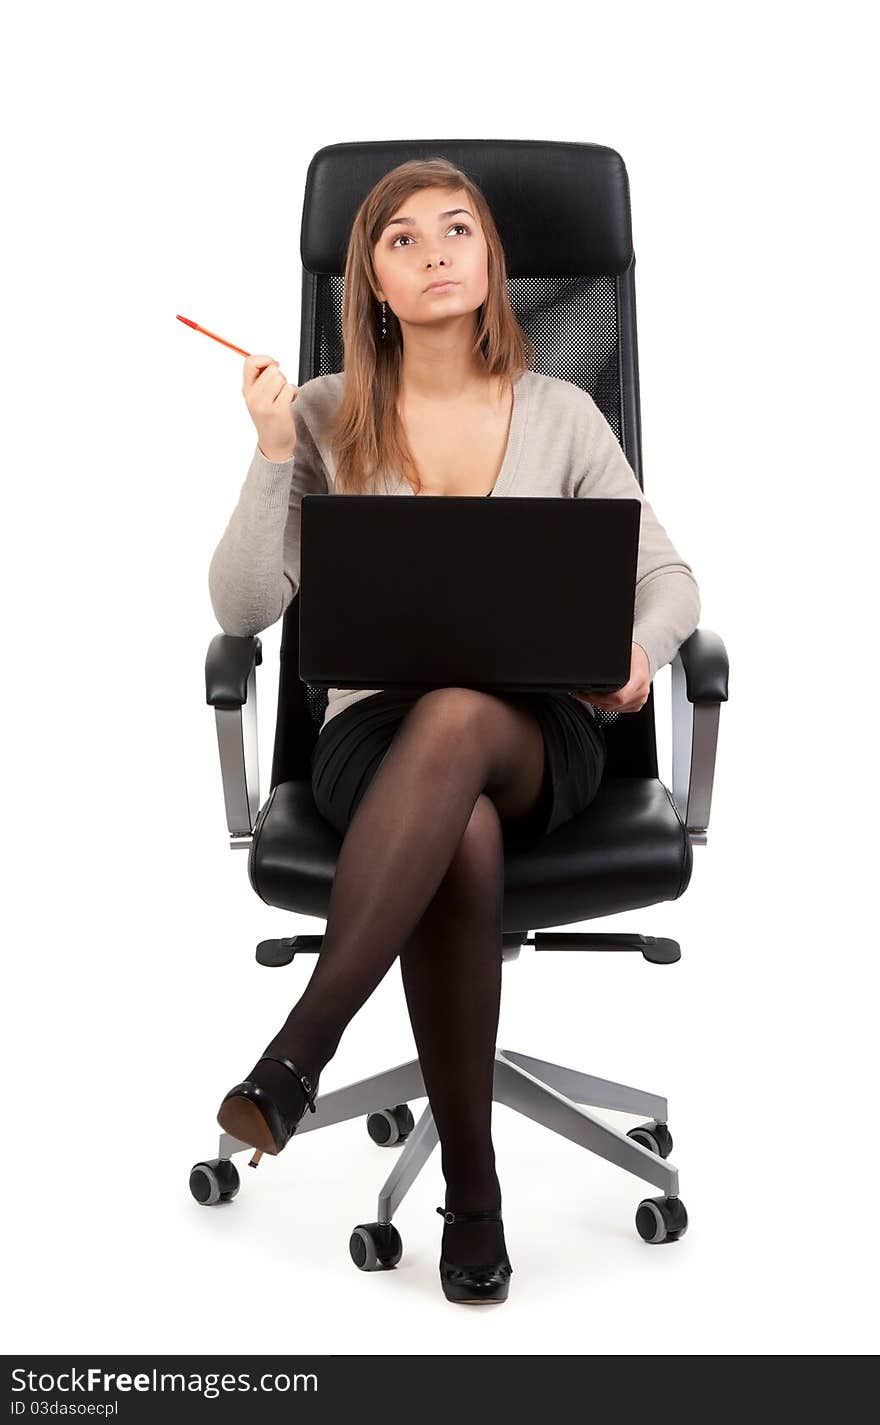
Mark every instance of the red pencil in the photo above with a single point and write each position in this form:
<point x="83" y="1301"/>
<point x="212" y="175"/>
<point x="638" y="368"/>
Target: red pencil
<point x="195" y="326"/>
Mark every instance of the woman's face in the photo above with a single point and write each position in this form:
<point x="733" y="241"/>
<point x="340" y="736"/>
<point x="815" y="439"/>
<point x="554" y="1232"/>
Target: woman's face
<point x="427" y="241"/>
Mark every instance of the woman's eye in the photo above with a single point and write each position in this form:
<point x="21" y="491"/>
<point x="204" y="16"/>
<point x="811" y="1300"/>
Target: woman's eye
<point x="463" y="226"/>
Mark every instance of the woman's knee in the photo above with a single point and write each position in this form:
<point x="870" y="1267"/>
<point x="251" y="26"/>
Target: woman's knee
<point x="448" y="720"/>
<point x="452" y="708"/>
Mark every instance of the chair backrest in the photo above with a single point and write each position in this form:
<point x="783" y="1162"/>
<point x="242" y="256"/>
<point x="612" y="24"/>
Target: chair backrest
<point x="563" y="213"/>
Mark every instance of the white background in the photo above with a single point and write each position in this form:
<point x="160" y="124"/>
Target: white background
<point x="155" y="161"/>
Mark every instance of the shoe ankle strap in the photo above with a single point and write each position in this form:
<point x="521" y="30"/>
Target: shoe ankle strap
<point x="493" y="1216"/>
<point x="305" y="1082"/>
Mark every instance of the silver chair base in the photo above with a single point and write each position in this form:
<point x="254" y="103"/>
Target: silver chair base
<point x="550" y="1094"/>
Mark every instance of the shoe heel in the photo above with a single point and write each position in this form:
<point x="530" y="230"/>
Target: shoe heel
<point x="240" y="1116"/>
<point x="250" y="1113"/>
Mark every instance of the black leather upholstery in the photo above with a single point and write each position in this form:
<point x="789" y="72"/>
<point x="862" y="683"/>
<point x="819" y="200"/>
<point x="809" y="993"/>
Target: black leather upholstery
<point x="562" y="208"/>
<point x="629" y="848"/>
<point x="227" y="669"/>
<point x="705" y="663"/>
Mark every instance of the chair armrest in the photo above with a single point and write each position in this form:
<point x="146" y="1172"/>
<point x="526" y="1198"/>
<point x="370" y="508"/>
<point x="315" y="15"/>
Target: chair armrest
<point x="231" y="689"/>
<point x="699" y="687"/>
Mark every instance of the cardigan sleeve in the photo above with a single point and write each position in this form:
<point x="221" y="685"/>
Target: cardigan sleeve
<point x="667" y="597"/>
<point x="255" y="569"/>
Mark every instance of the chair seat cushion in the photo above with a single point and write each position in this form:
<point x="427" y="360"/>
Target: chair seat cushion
<point x="628" y="848"/>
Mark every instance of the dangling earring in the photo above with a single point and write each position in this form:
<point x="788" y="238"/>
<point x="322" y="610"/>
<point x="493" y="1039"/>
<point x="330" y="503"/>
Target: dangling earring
<point x="384" y="329"/>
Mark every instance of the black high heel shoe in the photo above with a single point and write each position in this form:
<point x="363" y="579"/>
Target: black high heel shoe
<point x="487" y="1282"/>
<point x="251" y="1114"/>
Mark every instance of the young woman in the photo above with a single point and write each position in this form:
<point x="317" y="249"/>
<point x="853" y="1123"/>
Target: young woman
<point x="437" y="398"/>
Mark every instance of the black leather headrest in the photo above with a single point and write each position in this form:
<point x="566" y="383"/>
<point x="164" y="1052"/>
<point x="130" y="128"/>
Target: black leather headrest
<point x="562" y="209"/>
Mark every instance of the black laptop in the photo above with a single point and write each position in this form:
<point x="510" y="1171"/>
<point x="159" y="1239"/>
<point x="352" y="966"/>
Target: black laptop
<point x="519" y="593"/>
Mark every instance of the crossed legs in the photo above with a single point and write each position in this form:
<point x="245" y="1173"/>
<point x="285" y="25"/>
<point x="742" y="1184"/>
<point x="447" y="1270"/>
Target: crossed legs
<point x="420" y="876"/>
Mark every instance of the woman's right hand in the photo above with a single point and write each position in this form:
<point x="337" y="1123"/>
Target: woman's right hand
<point x="270" y="398"/>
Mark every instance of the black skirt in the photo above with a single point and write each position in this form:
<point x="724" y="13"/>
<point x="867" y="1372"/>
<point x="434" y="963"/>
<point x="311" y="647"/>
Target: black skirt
<point x="351" y="746"/>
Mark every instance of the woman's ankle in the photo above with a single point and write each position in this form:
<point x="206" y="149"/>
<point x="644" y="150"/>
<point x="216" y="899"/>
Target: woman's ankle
<point x="470" y="1192"/>
<point x="310" y="1054"/>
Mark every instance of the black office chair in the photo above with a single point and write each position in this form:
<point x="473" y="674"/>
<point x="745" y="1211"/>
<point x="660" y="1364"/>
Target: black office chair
<point x="571" y="283"/>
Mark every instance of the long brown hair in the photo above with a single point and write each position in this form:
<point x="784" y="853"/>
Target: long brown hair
<point x="367" y="435"/>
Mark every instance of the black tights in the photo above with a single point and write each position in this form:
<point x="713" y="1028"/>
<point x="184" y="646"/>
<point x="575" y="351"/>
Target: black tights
<point x="420" y="876"/>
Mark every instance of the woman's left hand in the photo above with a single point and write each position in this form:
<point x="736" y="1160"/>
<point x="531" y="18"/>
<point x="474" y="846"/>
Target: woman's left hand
<point x="633" y="695"/>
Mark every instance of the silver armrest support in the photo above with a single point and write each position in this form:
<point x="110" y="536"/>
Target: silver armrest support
<point x="694" y="741"/>
<point x="240" y="765"/>
<point x="695" y="721"/>
<point x="231" y="678"/>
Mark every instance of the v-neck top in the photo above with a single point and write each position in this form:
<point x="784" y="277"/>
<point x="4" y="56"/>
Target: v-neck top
<point x="559" y="444"/>
<point x="519" y="416"/>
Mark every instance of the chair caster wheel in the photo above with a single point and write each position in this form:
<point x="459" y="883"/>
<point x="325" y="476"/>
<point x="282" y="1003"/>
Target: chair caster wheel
<point x="213" y="1181"/>
<point x="389" y="1126"/>
<point x="375" y="1246"/>
<point x="661" y="1219"/>
<point x="655" y="1136"/>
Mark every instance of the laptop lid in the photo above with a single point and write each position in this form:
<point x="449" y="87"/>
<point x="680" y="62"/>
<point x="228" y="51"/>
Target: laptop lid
<point x="524" y="592"/>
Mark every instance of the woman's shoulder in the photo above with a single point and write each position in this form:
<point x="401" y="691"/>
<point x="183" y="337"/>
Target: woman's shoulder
<point x="553" y="399"/>
<point x="324" y="392"/>
<point x="317" y="400"/>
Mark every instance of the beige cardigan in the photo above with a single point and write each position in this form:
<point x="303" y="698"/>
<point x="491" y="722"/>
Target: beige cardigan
<point x="559" y="444"/>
